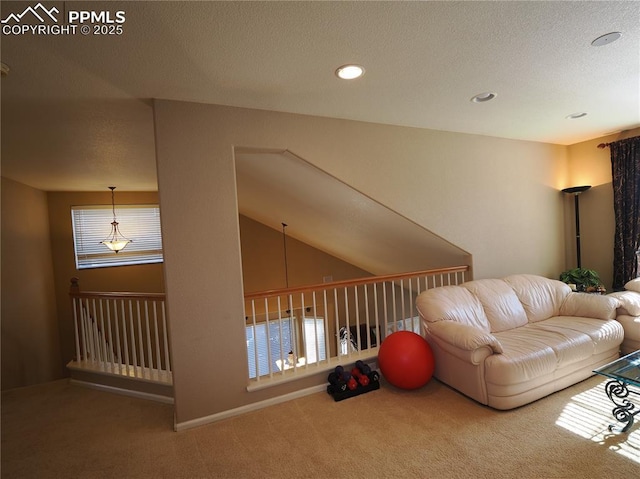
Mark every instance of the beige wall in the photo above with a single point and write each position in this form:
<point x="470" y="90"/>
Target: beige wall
<point x="30" y="342"/>
<point x="263" y="269"/>
<point x="590" y="165"/>
<point x="140" y="278"/>
<point x="263" y="260"/>
<point x="498" y="199"/>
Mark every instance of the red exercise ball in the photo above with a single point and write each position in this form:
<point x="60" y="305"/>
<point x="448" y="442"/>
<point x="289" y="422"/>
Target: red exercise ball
<point x="406" y="360"/>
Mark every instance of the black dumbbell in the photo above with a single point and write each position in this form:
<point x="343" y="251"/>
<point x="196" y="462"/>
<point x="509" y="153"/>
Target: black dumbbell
<point x="338" y="380"/>
<point x="364" y="368"/>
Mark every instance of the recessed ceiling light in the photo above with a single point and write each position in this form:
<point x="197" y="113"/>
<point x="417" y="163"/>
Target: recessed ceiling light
<point x="575" y="116"/>
<point x="482" y="97"/>
<point x="606" y="39"/>
<point x="350" y="72"/>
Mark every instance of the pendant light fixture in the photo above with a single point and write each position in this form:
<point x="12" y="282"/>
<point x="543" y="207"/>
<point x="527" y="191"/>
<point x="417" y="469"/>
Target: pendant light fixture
<point x="115" y="241"/>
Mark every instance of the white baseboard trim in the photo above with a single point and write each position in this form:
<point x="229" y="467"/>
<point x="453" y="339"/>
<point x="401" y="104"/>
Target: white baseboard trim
<point x="201" y="421"/>
<point x="123" y="392"/>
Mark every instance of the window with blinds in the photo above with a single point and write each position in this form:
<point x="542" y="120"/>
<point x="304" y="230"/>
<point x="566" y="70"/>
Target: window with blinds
<point x="139" y="223"/>
<point x="272" y="345"/>
<point x="315" y="346"/>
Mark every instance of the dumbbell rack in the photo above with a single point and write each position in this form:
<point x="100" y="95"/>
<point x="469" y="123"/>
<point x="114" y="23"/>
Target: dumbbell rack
<point x="338" y="394"/>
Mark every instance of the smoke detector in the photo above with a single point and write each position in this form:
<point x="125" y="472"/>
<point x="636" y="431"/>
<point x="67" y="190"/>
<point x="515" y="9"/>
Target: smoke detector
<point x="606" y="39"/>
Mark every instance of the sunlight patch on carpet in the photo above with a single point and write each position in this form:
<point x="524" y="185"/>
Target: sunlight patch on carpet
<point x="589" y="415"/>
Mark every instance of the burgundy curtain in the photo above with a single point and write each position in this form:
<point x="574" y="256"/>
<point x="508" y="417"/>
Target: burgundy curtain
<point x="625" y="167"/>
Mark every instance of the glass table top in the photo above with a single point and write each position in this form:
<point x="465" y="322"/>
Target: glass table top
<point x="625" y="369"/>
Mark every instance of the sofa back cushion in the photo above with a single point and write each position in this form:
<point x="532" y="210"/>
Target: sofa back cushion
<point x="541" y="297"/>
<point x="590" y="306"/>
<point x="500" y="303"/>
<point x="452" y="303"/>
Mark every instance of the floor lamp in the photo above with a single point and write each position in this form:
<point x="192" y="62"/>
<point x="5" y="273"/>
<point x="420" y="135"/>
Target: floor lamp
<point x="575" y="191"/>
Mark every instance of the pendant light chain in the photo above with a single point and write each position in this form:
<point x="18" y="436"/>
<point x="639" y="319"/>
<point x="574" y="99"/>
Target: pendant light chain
<point x="116" y="242"/>
<point x="113" y="202"/>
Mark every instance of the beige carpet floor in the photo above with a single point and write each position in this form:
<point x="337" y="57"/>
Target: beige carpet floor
<point x="58" y="430"/>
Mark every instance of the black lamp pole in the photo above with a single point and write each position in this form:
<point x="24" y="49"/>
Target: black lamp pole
<point x="575" y="191"/>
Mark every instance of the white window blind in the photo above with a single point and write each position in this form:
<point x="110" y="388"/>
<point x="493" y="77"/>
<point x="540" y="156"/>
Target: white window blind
<point x="139" y="223"/>
<point x="280" y="345"/>
<point x="314" y="340"/>
<point x="407" y="324"/>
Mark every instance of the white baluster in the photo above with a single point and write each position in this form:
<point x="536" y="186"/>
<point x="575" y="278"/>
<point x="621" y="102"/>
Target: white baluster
<point x="74" y="304"/>
<point x="132" y="332"/>
<point x="337" y="321"/>
<point x="112" y="352"/>
<point x="156" y="337"/>
<point x="327" y="346"/>
<point x="124" y="336"/>
<point x="376" y="313"/>
<point x="83" y="325"/>
<point x="140" y="337"/>
<point x="167" y="359"/>
<point x="148" y="331"/>
<point x="118" y="347"/>
<point x="346" y="320"/>
<point x="366" y="316"/>
<point x="282" y="352"/>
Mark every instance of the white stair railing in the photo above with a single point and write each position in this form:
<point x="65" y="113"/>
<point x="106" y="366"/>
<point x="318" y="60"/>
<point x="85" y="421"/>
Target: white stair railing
<point x="310" y="329"/>
<point x="124" y="334"/>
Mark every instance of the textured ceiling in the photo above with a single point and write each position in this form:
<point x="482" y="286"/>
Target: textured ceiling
<point x="76" y="111"/>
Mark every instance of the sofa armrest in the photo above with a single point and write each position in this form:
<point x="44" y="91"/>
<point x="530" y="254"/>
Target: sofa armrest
<point x="463" y="336"/>
<point x="629" y="302"/>
<point x="589" y="306"/>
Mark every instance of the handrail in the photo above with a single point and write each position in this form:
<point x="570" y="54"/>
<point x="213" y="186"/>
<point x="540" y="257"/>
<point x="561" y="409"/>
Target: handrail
<point x="74" y="292"/>
<point x="116" y="295"/>
<point x="307" y="329"/>
<point x="353" y="282"/>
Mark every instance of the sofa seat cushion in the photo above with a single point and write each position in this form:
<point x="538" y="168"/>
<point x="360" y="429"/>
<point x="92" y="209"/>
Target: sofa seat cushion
<point x="569" y="344"/>
<point x="501" y="305"/>
<point x="540" y="297"/>
<point x="522" y="360"/>
<point x="604" y="334"/>
<point x="532" y="351"/>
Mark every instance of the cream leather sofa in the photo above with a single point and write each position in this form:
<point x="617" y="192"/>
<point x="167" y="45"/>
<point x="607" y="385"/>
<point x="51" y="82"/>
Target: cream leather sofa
<point x="507" y="342"/>
<point x="628" y="315"/>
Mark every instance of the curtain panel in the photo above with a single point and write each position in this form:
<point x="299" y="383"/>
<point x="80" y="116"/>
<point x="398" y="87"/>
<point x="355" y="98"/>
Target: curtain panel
<point x="625" y="167"/>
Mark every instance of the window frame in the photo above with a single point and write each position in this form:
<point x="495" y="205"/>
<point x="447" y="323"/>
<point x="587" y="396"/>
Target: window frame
<point x="140" y="223"/>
